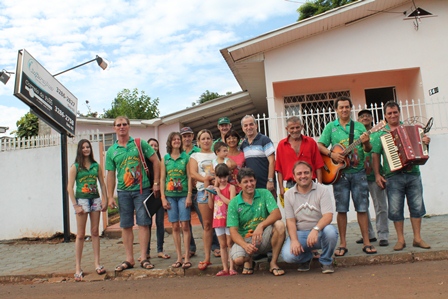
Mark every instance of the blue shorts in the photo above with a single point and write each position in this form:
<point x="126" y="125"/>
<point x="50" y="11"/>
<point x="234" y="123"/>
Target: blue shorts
<point x="405" y="184"/>
<point x="177" y="211"/>
<point x="89" y="204"/>
<point x="357" y="184"/>
<point x="130" y="201"/>
<point x="202" y="196"/>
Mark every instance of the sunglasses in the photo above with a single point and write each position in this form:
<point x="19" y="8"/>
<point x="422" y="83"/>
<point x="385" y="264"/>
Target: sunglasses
<point x="121" y="125"/>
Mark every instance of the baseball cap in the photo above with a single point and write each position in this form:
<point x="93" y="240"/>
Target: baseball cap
<point x="364" y="111"/>
<point x="223" y="120"/>
<point x="186" y="130"/>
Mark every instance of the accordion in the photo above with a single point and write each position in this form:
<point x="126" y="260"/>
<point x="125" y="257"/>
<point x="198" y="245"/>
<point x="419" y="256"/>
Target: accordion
<point x="404" y="147"/>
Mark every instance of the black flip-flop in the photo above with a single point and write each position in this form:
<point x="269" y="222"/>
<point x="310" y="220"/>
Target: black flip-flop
<point x="122" y="267"/>
<point x="146" y="264"/>
<point x="343" y="249"/>
<point x="369" y="247"/>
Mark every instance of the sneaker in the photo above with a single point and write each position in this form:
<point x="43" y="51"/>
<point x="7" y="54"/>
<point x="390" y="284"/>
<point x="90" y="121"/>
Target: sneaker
<point x="303" y="267"/>
<point x="327" y="269"/>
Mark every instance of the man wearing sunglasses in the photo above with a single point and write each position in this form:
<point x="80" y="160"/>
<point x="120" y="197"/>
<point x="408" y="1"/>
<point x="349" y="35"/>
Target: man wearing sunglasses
<point x="123" y="164"/>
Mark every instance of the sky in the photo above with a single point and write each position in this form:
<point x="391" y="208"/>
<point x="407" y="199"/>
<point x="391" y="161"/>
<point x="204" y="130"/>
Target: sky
<point x="169" y="49"/>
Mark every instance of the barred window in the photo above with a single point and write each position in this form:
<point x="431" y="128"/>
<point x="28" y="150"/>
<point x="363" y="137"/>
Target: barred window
<point x="313" y="109"/>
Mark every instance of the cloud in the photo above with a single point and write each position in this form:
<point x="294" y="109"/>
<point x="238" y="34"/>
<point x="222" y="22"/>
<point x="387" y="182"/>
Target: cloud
<point x="9" y="116"/>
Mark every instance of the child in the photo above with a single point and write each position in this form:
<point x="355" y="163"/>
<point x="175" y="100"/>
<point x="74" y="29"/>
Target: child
<point x="221" y="151"/>
<point x="224" y="193"/>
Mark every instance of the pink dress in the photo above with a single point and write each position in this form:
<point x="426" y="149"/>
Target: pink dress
<point x="220" y="208"/>
<point x="240" y="161"/>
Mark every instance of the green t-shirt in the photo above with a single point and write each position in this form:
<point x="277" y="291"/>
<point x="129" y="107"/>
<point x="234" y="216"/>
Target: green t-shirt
<point x="378" y="149"/>
<point x="126" y="161"/>
<point x="368" y="162"/>
<point x="334" y="133"/>
<point x="195" y="149"/>
<point x="176" y="180"/>
<point x="245" y="216"/>
<point x="87" y="181"/>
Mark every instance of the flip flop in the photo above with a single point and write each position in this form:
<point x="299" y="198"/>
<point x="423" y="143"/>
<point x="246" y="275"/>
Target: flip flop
<point x="222" y="273"/>
<point x="203" y="265"/>
<point x="370" y="247"/>
<point x="146" y="264"/>
<point x="100" y="270"/>
<point x="176" y="265"/>
<point x="277" y="271"/>
<point x="343" y="249"/>
<point x="79" y="276"/>
<point x="123" y="266"/>
<point x="163" y="255"/>
<point x="186" y="265"/>
<point x="248" y="270"/>
<point x="233" y="272"/>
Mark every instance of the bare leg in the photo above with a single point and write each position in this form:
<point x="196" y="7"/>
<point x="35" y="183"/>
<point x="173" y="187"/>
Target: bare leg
<point x="363" y="222"/>
<point x="81" y="220"/>
<point x="399" y="228"/>
<point x="224" y="254"/>
<point x="278" y="237"/>
<point x="94" y="232"/>
<point x="342" y="227"/>
<point x="186" y="232"/>
<point x="143" y="237"/>
<point x="128" y="240"/>
<point x="416" y="227"/>
<point x="176" y="238"/>
<point x="207" y="217"/>
<point x="229" y="245"/>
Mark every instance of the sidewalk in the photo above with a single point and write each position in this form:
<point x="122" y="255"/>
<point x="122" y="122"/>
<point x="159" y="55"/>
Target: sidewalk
<point x="56" y="262"/>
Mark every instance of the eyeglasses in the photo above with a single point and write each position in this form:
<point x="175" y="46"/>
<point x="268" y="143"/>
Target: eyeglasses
<point x="365" y="116"/>
<point x="122" y="125"/>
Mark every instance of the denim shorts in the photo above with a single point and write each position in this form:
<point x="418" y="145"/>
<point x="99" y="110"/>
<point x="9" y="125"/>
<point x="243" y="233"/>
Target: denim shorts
<point x="130" y="201"/>
<point x="357" y="184"/>
<point x="89" y="204"/>
<point x="177" y="211"/>
<point x="404" y="184"/>
<point x="202" y="196"/>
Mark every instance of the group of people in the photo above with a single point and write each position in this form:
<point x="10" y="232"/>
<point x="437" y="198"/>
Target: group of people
<point x="231" y="184"/>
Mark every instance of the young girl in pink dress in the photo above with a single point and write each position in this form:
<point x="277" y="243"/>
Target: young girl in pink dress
<point x="219" y="202"/>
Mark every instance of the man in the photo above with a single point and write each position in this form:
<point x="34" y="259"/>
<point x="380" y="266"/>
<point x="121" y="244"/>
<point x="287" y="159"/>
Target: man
<point x="187" y="144"/>
<point x="399" y="184"/>
<point x="259" y="154"/>
<point x="353" y="178"/>
<point x="293" y="148"/>
<point x="224" y="127"/>
<point x="255" y="224"/>
<point x="120" y="158"/>
<point x="378" y="194"/>
<point x="309" y="212"/>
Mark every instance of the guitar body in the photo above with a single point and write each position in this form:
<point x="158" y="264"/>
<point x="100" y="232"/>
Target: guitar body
<point x="331" y="172"/>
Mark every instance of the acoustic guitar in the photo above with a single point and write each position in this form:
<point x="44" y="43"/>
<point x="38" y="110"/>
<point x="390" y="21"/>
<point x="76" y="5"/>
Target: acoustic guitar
<point x="331" y="172"/>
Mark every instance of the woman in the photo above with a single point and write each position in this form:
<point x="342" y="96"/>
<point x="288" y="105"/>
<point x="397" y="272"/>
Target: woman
<point x="175" y="190"/>
<point x="201" y="171"/>
<point x="233" y="139"/>
<point x="86" y="173"/>
<point x="160" y="215"/>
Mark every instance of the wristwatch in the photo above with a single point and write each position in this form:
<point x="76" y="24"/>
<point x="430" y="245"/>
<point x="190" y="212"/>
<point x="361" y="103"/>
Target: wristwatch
<point x="270" y="180"/>
<point x="156" y="184"/>
<point x="316" y="228"/>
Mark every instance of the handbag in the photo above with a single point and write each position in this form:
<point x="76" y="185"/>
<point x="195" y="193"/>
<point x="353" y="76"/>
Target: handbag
<point x="151" y="203"/>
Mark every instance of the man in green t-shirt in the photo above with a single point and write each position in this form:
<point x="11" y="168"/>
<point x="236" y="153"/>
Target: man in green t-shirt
<point x="123" y="161"/>
<point x="405" y="182"/>
<point x="353" y="179"/>
<point x="255" y="224"/>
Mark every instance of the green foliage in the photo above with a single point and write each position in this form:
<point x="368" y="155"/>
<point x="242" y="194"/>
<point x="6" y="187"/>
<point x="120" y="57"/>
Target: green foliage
<point x="133" y="105"/>
<point x="27" y="126"/>
<point x="208" y="96"/>
<point x="89" y="113"/>
<point x="317" y="7"/>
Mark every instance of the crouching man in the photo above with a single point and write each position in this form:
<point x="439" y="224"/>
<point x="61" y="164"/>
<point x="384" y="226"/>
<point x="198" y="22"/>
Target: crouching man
<point x="255" y="224"/>
<point x="309" y="212"/>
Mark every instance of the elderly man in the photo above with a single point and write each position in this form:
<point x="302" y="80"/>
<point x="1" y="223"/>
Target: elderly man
<point x="399" y="184"/>
<point x="224" y="126"/>
<point x="259" y="152"/>
<point x="255" y="224"/>
<point x="309" y="212"/>
<point x="121" y="157"/>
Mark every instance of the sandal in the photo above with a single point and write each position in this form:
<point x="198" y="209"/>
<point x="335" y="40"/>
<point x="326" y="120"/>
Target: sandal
<point x="163" y="255"/>
<point x="277" y="271"/>
<point x="146" y="264"/>
<point x="248" y="270"/>
<point x="203" y="265"/>
<point x="176" y="265"/>
<point x="186" y="265"/>
<point x="79" y="276"/>
<point x="371" y="249"/>
<point x="222" y="273"/>
<point x="233" y="272"/>
<point x="100" y="270"/>
<point x="342" y="251"/>
<point x="123" y="266"/>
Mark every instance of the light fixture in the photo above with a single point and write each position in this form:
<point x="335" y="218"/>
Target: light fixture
<point x="4" y="129"/>
<point x="5" y="75"/>
<point x="102" y="63"/>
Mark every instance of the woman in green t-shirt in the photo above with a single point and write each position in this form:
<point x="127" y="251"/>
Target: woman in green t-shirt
<point x="86" y="201"/>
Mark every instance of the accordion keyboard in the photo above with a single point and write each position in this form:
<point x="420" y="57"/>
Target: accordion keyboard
<point x="391" y="151"/>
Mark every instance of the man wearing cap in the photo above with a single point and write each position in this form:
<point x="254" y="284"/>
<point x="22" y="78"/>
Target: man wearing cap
<point x="378" y="195"/>
<point x="188" y="146"/>
<point x="224" y="126"/>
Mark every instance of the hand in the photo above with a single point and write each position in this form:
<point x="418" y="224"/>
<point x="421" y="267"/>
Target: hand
<point x="312" y="238"/>
<point x="270" y="186"/>
<point x="112" y="203"/>
<point x="218" y="191"/>
<point x="337" y="157"/>
<point x="103" y="206"/>
<point x="78" y="209"/>
<point x="426" y="140"/>
<point x="188" y="202"/>
<point x="257" y="235"/>
<point x="250" y="248"/>
<point x="365" y="138"/>
<point x="166" y="205"/>
<point x="380" y="181"/>
<point x="296" y="248"/>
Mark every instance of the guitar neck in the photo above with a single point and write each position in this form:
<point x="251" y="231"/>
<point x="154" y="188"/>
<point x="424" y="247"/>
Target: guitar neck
<point x="352" y="146"/>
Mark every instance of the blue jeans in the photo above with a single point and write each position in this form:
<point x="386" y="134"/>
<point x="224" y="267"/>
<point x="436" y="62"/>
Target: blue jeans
<point x="327" y="240"/>
<point x="357" y="184"/>
<point x="160" y="230"/>
<point x="405" y="184"/>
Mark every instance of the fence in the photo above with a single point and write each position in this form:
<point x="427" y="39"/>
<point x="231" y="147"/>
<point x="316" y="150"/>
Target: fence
<point x="314" y="121"/>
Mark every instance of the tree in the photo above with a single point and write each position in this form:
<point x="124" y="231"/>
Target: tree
<point x="27" y="126"/>
<point x="89" y="113"/>
<point x="317" y="7"/>
<point x="208" y="96"/>
<point x="131" y="104"/>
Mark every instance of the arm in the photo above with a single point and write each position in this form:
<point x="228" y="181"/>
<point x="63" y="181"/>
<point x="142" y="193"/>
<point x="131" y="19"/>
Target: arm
<point x="271" y="172"/>
<point x="156" y="168"/>
<point x="379" y="179"/>
<point x="319" y="175"/>
<point x="322" y="223"/>
<point x="103" y="189"/>
<point x="71" y="193"/>
<point x="295" y="248"/>
<point x="110" y="179"/>
<point x="165" y="203"/>
<point x="280" y="183"/>
<point x="189" y="201"/>
<point x="366" y="145"/>
<point x="337" y="157"/>
<point x="238" y="239"/>
<point x="223" y="198"/>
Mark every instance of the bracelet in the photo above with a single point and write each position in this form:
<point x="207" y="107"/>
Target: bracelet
<point x="190" y="193"/>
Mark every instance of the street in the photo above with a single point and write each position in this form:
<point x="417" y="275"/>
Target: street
<point x="411" y="280"/>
